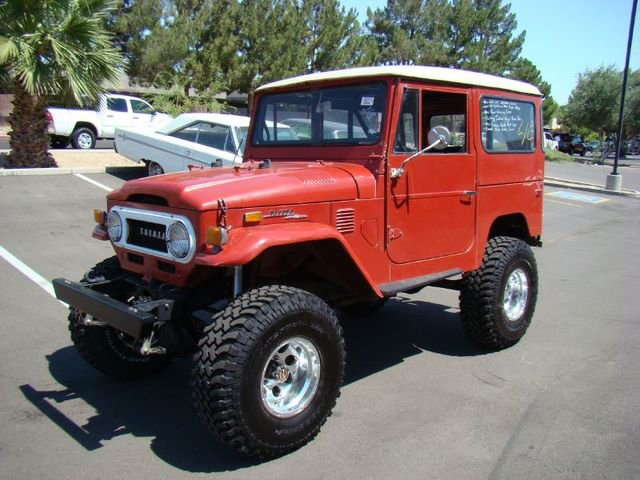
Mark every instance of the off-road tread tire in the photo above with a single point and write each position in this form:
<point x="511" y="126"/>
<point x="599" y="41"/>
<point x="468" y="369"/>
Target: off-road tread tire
<point x="100" y="346"/>
<point x="224" y="350"/>
<point x="481" y="315"/>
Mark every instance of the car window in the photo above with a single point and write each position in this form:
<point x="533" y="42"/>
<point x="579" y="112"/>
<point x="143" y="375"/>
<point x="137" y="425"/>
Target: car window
<point x="447" y="110"/>
<point x="407" y="128"/>
<point x="215" y="136"/>
<point x="117" y="104"/>
<point x="507" y="125"/>
<point x="138" y="106"/>
<point x="208" y="134"/>
<point x="188" y="133"/>
<point x="334" y="115"/>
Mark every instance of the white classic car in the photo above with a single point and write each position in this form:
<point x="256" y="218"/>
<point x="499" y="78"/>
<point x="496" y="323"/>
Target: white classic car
<point x="550" y="143"/>
<point x="198" y="139"/>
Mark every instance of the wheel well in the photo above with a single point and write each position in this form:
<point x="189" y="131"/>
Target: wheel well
<point x="322" y="267"/>
<point x="88" y="125"/>
<point x="513" y="225"/>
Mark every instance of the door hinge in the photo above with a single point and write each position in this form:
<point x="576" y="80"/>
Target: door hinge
<point x="393" y="233"/>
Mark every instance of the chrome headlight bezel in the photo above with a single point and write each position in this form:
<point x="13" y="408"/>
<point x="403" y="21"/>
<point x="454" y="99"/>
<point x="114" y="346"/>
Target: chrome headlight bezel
<point x="114" y="225"/>
<point x="161" y="218"/>
<point x="178" y="240"/>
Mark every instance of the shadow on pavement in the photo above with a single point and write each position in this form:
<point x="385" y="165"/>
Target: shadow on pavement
<point x="131" y="174"/>
<point x="160" y="406"/>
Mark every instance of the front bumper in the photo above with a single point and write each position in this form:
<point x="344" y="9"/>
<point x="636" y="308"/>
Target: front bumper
<point x="119" y="315"/>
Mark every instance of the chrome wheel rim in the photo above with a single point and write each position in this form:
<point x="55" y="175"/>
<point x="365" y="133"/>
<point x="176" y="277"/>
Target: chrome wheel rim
<point x="290" y="377"/>
<point x="155" y="169"/>
<point x="85" y="140"/>
<point x="516" y="294"/>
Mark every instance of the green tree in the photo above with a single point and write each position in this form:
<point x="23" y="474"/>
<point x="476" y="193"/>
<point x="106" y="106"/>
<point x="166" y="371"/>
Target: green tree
<point x="52" y="47"/>
<point x="405" y="30"/>
<point x="594" y="102"/>
<point x="523" y="69"/>
<point x="471" y="34"/>
<point x="333" y="36"/>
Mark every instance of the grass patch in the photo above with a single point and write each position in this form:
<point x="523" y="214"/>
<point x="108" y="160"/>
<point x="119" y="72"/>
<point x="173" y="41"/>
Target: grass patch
<point x="558" y="157"/>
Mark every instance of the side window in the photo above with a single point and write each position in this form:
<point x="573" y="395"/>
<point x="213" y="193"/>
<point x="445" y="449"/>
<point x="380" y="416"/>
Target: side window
<point x="138" y="106"/>
<point x="117" y="104"/>
<point x="407" y="129"/>
<point x="507" y="125"/>
<point x="188" y="133"/>
<point x="448" y="110"/>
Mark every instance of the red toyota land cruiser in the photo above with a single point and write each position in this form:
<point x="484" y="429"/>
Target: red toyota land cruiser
<point x="389" y="179"/>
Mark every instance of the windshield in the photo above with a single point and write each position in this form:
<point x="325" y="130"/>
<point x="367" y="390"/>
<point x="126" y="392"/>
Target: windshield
<point x="350" y="115"/>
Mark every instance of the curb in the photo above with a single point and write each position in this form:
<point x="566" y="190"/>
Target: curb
<point x="12" y="172"/>
<point x="589" y="187"/>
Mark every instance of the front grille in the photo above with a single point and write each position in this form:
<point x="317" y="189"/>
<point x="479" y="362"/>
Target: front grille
<point x="148" y="235"/>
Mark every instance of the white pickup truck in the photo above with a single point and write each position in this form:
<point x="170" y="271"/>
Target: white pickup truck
<point x="83" y="127"/>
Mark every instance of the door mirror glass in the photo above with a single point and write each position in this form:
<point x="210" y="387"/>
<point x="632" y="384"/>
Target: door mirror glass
<point x="439" y="137"/>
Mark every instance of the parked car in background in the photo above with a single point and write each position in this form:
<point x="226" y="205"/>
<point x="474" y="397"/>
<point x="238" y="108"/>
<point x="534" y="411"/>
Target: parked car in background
<point x="549" y="142"/>
<point x="191" y="139"/>
<point x="335" y="130"/>
<point x="592" y="145"/>
<point x="571" y="144"/>
<point x="82" y="128"/>
<point x="201" y="139"/>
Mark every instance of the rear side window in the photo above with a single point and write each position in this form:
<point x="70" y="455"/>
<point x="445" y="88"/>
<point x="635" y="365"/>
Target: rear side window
<point x="507" y="125"/>
<point x="116" y="104"/>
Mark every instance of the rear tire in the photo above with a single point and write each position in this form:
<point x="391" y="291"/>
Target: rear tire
<point x="254" y="362"/>
<point x="83" y="138"/>
<point x="154" y="168"/>
<point x="104" y="348"/>
<point x="497" y="301"/>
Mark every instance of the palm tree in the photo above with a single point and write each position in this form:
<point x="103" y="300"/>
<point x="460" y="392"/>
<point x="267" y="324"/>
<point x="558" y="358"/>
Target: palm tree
<point x="52" y="47"/>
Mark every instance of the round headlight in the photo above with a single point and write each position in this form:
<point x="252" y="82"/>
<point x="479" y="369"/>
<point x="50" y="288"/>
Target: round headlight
<point x="178" y="241"/>
<point x="114" y="226"/>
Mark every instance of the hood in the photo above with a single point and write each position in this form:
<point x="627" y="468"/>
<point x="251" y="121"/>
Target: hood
<point x="247" y="185"/>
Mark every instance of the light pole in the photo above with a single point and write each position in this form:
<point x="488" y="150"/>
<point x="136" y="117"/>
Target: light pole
<point x="614" y="179"/>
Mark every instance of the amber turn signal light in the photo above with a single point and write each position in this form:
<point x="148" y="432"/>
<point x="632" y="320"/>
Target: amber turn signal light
<point x="216" y="236"/>
<point x="99" y="216"/>
<point x="252" y="217"/>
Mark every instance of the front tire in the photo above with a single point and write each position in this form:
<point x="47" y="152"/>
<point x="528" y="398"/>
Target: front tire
<point x="268" y="370"/>
<point x="106" y="349"/>
<point x="497" y="301"/>
<point x="83" y="138"/>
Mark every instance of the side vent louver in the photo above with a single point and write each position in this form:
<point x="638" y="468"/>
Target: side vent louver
<point x="346" y="220"/>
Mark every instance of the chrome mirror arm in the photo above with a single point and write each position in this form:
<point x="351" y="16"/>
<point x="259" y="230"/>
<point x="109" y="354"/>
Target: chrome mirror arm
<point x="398" y="172"/>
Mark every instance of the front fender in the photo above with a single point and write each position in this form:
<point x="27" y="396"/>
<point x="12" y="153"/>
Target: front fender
<point x="246" y="243"/>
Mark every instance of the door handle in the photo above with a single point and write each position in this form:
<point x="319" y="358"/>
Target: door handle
<point x="136" y="118"/>
<point x="109" y="116"/>
<point x="469" y="192"/>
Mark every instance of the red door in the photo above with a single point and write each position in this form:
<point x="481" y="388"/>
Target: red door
<point x="431" y="207"/>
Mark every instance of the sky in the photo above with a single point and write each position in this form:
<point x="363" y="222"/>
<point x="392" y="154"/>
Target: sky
<point x="565" y="37"/>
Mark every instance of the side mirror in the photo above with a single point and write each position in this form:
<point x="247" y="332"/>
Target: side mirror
<point x="439" y="138"/>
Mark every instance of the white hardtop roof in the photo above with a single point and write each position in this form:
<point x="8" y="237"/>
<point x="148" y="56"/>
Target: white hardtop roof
<point x="438" y="74"/>
<point x="219" y="118"/>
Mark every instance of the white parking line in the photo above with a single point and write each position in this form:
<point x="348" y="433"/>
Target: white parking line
<point x="28" y="272"/>
<point x="90" y="180"/>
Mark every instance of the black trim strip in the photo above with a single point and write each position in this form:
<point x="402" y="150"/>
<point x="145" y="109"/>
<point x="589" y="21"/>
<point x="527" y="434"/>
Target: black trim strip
<point x="389" y="289"/>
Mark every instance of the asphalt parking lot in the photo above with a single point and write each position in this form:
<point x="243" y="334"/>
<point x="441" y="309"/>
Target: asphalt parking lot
<point x="420" y="401"/>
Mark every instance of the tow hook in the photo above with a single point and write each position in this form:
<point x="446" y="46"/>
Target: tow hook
<point x="89" y="321"/>
<point x="148" y="349"/>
